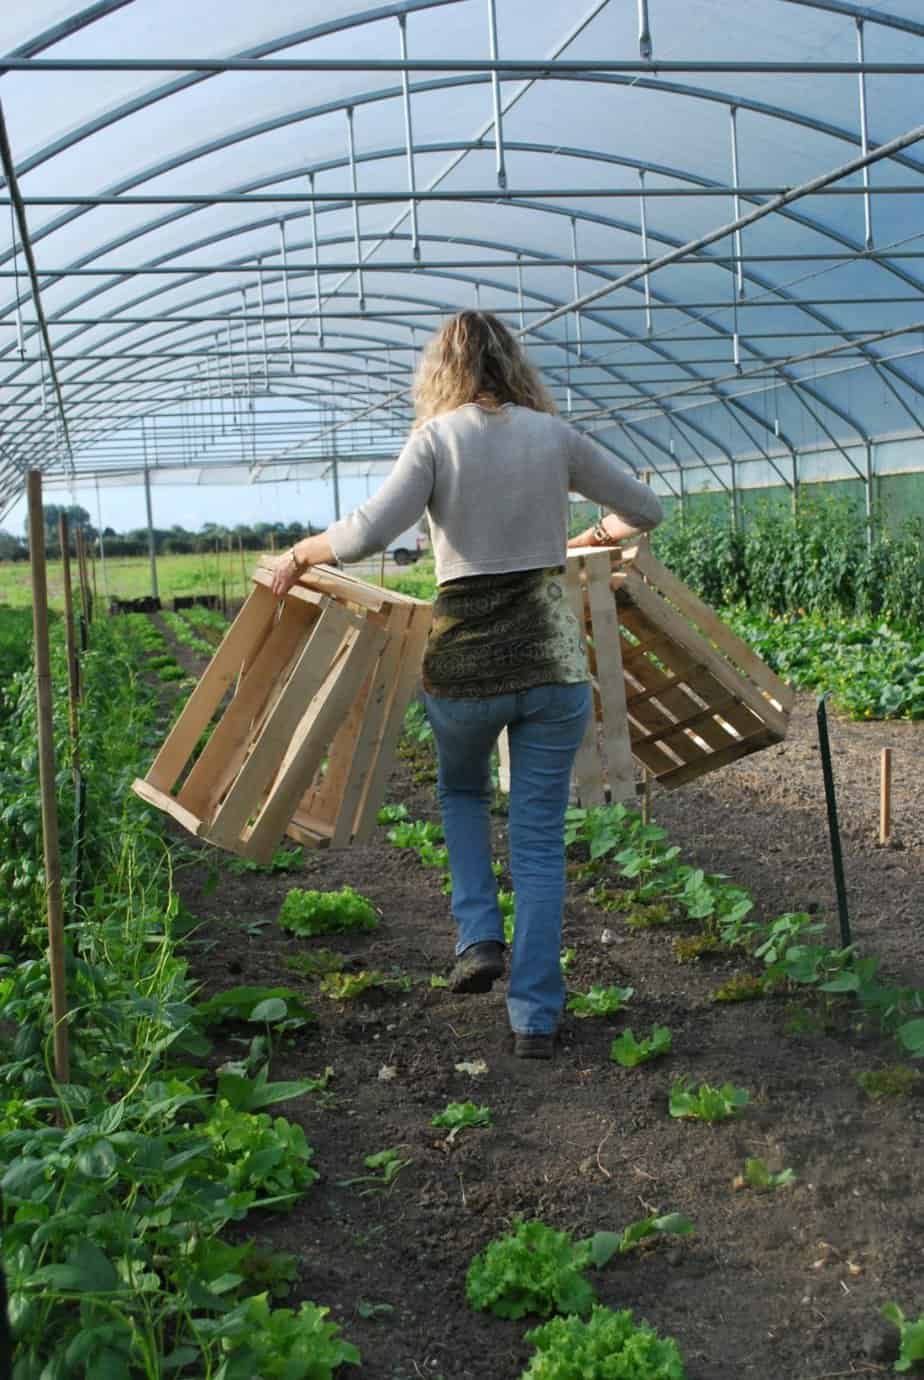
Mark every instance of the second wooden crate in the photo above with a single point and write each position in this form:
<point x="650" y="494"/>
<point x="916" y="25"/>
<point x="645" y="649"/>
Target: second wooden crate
<point x="321" y="681"/>
<point x="674" y="689"/>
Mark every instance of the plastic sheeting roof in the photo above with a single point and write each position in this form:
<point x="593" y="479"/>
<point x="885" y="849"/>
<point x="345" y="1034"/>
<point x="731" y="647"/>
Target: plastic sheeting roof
<point x="242" y="221"/>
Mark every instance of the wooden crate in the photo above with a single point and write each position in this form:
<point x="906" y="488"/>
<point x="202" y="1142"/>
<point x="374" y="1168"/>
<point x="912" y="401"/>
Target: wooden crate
<point x="674" y="689"/>
<point x="320" y="682"/>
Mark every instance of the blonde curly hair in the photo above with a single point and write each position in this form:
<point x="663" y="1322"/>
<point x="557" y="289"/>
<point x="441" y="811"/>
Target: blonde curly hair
<point x="474" y="358"/>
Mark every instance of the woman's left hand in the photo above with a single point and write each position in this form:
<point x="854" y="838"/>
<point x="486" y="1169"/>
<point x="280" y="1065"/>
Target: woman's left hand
<point x="285" y="575"/>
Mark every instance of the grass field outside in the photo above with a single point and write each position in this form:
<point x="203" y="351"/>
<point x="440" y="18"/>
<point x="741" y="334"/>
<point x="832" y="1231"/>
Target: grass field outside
<point x="129" y="577"/>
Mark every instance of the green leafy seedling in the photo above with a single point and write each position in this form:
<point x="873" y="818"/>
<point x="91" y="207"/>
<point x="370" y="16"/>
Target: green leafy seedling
<point x="533" y="1269"/>
<point x="386" y="1166"/>
<point x="411" y="834"/>
<point x="911" y="1037"/>
<point x="391" y="814"/>
<point x="250" y="1094"/>
<point x="599" y="1001"/>
<point x="629" y="1052"/>
<point x="911" y="1336"/>
<point x="566" y="959"/>
<point x="707" y="1103"/>
<point x="458" y="1116"/>
<point x="603" y="1245"/>
<point x="283" y="860"/>
<point x="758" y="1176"/>
<point x="437" y="981"/>
<point x="279" y="1006"/>
<point x="346" y="986"/>
<point x="324" y="912"/>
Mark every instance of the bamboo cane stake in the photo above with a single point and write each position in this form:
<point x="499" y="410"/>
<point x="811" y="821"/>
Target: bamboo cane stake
<point x="885" y="796"/>
<point x="46" y="753"/>
<point x="73" y="671"/>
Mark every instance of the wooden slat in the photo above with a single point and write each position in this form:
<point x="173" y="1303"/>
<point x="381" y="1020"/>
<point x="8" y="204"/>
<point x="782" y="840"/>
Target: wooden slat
<point x="167" y="804"/>
<point x="404" y="685"/>
<point x="309" y="838"/>
<point x="610" y="679"/>
<point x="323" y="579"/>
<point x="226" y="750"/>
<point x="255" y="617"/>
<point x="709" y="623"/>
<point x="369" y="741"/>
<point x="588" y="776"/>
<point x="701" y="685"/>
<point x="336" y="795"/>
<point x="692" y="770"/>
<point x="308" y="675"/>
<point x="264" y="578"/>
<point x="311" y="740"/>
<point x="664" y="735"/>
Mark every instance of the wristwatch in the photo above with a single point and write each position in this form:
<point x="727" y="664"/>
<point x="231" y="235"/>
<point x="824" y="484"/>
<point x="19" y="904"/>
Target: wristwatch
<point x="601" y="536"/>
<point x="297" y="565"/>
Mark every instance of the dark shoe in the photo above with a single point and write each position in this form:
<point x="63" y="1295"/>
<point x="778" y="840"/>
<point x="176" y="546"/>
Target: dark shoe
<point x="533" y="1046"/>
<point x="477" y="968"/>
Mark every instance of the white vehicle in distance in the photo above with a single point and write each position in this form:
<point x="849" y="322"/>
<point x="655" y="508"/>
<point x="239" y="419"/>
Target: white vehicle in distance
<point x="408" y="548"/>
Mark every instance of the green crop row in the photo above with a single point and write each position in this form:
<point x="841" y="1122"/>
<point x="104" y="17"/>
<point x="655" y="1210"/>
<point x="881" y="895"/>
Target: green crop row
<point x="118" y="1184"/>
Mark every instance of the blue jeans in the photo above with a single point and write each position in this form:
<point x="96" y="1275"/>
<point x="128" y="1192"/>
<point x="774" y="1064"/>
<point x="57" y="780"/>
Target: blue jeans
<point x="545" y="727"/>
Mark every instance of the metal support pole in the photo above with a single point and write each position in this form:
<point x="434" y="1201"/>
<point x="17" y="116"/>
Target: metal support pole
<point x="683" y="495"/>
<point x="644" y="32"/>
<point x="495" y="92"/>
<point x="285" y="292"/>
<point x="409" y="140"/>
<point x="47" y="778"/>
<point x="263" y="322"/>
<point x="868" y="492"/>
<point x="577" y="287"/>
<point x="317" y="265"/>
<point x="335" y="471"/>
<point x="644" y="226"/>
<point x="864" y="141"/>
<point x="357" y="238"/>
<point x="102" y="542"/>
<point x="231" y="372"/>
<point x="520" y="291"/>
<point x="152" y="545"/>
<point x="733" y="496"/>
<point x="837" y="859"/>
<point x="736" y="201"/>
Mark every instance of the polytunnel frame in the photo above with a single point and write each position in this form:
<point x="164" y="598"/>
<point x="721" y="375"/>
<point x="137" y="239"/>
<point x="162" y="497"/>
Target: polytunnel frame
<point x="631" y="430"/>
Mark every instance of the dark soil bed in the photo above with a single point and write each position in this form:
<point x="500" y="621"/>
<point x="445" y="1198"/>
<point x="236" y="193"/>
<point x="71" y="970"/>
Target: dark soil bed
<point x="776" y="1286"/>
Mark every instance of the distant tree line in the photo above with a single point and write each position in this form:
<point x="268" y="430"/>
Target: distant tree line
<point x="169" y="541"/>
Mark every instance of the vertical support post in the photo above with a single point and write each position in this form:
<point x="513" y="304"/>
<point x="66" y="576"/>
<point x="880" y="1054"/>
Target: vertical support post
<point x="357" y="238"/>
<point x="240" y="549"/>
<point x="495" y="92"/>
<point x="285" y="292"/>
<point x="102" y="542"/>
<point x="317" y="262"/>
<point x="230" y="371"/>
<point x="736" y="201"/>
<point x="683" y="494"/>
<point x="263" y="322"/>
<point x="643" y="219"/>
<point x="885" y="797"/>
<point x="152" y="545"/>
<point x="837" y="859"/>
<point x="868" y="492"/>
<point x="46" y="753"/>
<point x="409" y="140"/>
<point x="520" y="292"/>
<point x="795" y="483"/>
<point x="644" y="32"/>
<point x="577" y="287"/>
<point x="864" y="138"/>
<point x="733" y="496"/>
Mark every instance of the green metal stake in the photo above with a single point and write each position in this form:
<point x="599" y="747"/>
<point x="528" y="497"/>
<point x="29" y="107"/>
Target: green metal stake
<point x="837" y="858"/>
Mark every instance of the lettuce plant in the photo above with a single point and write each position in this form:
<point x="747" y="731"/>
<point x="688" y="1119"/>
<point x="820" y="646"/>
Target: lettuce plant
<point x="607" y="1344"/>
<point x="323" y="912"/>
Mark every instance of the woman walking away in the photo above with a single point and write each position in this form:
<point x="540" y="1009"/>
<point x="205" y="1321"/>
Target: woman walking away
<point x="492" y="465"/>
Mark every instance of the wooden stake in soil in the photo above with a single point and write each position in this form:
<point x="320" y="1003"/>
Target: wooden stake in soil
<point x="646" y="796"/>
<point x="46" y="749"/>
<point x="84" y="583"/>
<point x="885" y="797"/>
<point x="240" y="547"/>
